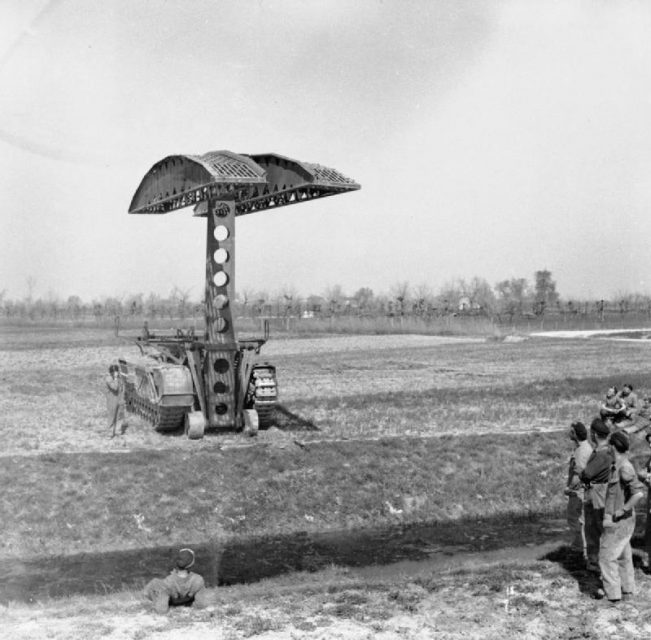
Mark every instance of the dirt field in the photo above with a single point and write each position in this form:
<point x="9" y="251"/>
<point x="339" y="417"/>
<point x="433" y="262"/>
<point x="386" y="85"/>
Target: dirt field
<point x="534" y="593"/>
<point x="334" y="389"/>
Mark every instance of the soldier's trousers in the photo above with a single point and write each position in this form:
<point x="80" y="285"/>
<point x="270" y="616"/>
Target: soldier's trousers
<point x="575" y="522"/>
<point x="616" y="559"/>
<point x="593" y="528"/>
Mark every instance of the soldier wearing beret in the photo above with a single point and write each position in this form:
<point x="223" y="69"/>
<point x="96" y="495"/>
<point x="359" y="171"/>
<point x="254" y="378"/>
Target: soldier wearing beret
<point x="623" y="492"/>
<point x="180" y="587"/>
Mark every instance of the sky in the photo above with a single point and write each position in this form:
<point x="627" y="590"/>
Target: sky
<point x="490" y="138"/>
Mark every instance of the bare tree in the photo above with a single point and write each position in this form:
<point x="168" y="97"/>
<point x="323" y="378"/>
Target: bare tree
<point x="364" y="299"/>
<point x="449" y="297"/>
<point x="400" y="293"/>
<point x="179" y="299"/>
<point x="74" y="306"/>
<point x="334" y="294"/>
<point x="512" y="295"/>
<point x="545" y="291"/>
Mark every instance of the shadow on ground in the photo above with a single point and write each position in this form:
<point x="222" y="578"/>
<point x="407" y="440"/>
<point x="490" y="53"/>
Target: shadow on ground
<point x="572" y="561"/>
<point x="248" y="560"/>
<point x="285" y="420"/>
<point x="281" y="418"/>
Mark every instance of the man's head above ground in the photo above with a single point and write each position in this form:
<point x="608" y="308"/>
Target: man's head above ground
<point x="184" y="559"/>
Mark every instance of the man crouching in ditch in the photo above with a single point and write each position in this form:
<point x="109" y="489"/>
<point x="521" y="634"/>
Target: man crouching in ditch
<point x="623" y="493"/>
<point x="180" y="587"/>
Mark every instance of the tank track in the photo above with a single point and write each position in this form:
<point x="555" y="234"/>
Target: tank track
<point x="160" y="417"/>
<point x="265" y="398"/>
<point x="265" y="413"/>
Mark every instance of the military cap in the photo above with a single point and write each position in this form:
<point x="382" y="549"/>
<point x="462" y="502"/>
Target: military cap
<point x="599" y="427"/>
<point x="579" y="430"/>
<point x="619" y="440"/>
<point x="185" y="559"/>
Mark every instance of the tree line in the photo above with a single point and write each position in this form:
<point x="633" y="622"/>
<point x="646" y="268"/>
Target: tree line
<point x="506" y="301"/>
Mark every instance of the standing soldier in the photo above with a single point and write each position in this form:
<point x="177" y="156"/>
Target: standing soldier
<point x="615" y="555"/>
<point x="645" y="476"/>
<point x="595" y="476"/>
<point x="115" y="399"/>
<point x="574" y="490"/>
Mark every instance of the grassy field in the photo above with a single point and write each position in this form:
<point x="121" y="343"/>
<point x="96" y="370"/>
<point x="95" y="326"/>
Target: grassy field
<point x="373" y="432"/>
<point x="51" y="391"/>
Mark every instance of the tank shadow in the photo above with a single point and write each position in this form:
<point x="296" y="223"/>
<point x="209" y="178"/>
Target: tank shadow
<point x="285" y="420"/>
<point x="243" y="560"/>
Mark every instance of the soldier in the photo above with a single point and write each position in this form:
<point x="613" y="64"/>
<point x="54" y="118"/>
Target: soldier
<point x="637" y="414"/>
<point x="574" y="490"/>
<point x="645" y="476"/>
<point x="629" y="400"/>
<point x="180" y="587"/>
<point x="623" y="493"/>
<point x="115" y="400"/>
<point x="612" y="409"/>
<point x="595" y="477"/>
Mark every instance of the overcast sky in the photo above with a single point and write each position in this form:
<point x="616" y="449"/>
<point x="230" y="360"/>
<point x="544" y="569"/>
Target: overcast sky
<point x="491" y="139"/>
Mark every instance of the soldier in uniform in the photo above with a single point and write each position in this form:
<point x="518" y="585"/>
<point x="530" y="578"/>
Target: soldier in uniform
<point x="637" y="411"/>
<point x="645" y="476"/>
<point x="612" y="409"/>
<point x="574" y="490"/>
<point x="115" y="400"/>
<point x="595" y="477"/>
<point x="180" y="587"/>
<point x="623" y="493"/>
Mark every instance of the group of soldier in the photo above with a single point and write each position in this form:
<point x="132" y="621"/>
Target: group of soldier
<point x="603" y="488"/>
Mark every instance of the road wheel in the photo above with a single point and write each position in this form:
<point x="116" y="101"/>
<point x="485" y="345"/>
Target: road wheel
<point x="251" y="422"/>
<point x="195" y="425"/>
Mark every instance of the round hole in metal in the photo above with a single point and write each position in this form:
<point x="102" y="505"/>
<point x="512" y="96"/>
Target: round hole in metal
<point x="221" y="365"/>
<point x="221" y="256"/>
<point x="221" y="324"/>
<point x="221" y="233"/>
<point x="220" y="278"/>
<point x="220" y="387"/>
<point x="220" y="301"/>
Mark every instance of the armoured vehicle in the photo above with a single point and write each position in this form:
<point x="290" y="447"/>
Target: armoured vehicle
<point x="215" y="381"/>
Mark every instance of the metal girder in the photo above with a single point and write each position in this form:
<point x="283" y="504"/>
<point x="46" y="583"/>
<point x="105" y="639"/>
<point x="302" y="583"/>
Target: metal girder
<point x="254" y="182"/>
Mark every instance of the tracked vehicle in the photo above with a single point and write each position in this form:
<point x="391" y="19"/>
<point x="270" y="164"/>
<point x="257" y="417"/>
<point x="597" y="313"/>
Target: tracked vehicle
<point x="215" y="381"/>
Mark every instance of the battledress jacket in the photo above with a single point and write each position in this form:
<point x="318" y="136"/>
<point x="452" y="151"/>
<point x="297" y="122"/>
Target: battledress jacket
<point x="596" y="475"/>
<point x="183" y="588"/>
<point x="622" y="485"/>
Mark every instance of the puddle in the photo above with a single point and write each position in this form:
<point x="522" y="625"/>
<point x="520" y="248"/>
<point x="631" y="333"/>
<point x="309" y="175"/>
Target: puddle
<point x="254" y="558"/>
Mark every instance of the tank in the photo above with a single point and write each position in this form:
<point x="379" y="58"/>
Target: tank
<point x="216" y="381"/>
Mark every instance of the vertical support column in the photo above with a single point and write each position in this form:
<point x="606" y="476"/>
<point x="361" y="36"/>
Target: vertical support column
<point x="219" y="373"/>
